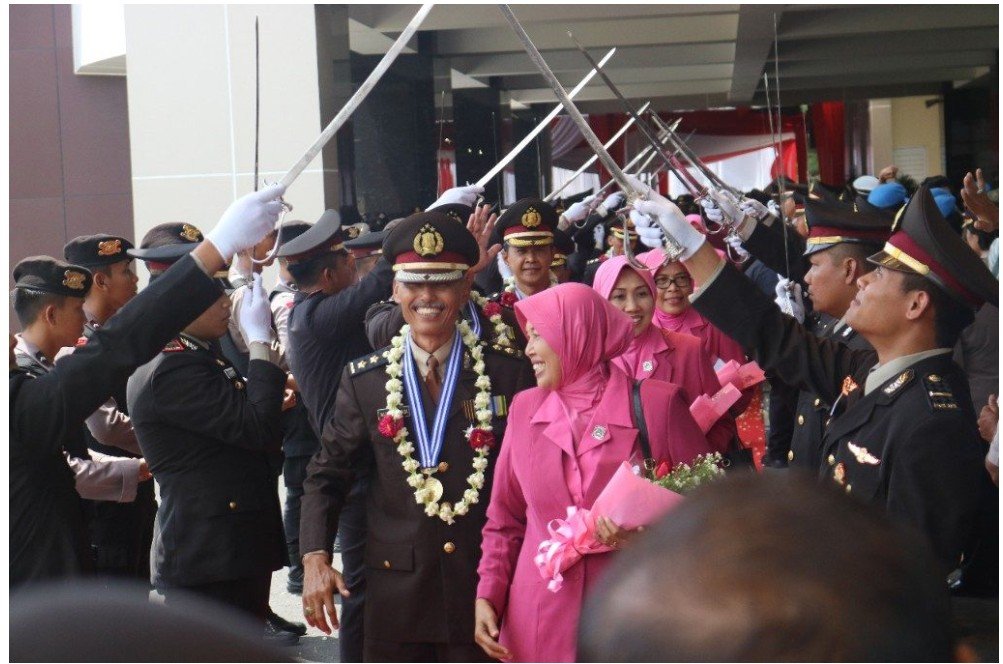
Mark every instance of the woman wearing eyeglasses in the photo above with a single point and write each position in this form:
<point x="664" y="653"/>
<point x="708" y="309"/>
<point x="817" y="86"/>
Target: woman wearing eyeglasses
<point x="657" y="352"/>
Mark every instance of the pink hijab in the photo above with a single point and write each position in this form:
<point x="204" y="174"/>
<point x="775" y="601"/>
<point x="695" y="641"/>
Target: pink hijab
<point x="674" y="322"/>
<point x="586" y="332"/>
<point x="645" y="344"/>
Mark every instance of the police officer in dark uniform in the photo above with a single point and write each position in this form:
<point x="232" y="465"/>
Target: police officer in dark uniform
<point x="48" y="535"/>
<point x="903" y="434"/>
<point x="121" y="533"/>
<point x="615" y="239"/>
<point x="421" y="559"/>
<point x="208" y="434"/>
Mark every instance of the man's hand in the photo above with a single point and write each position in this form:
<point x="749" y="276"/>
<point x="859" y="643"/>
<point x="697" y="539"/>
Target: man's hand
<point x="320" y="581"/>
<point x="977" y="201"/>
<point x="144" y="471"/>
<point x="989" y="418"/>
<point x="486" y="630"/>
<point x="463" y="195"/>
<point x="481" y="224"/>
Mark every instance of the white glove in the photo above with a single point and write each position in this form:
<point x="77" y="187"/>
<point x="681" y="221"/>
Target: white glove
<point x="668" y="214"/>
<point x="255" y="317"/>
<point x="735" y="242"/>
<point x="790" y="300"/>
<point x="775" y="211"/>
<point x="462" y="195"/>
<point x="247" y="220"/>
<point x="648" y="231"/>
<point x="754" y="209"/>
<point x="579" y="211"/>
<point x="729" y="207"/>
<point x="611" y="203"/>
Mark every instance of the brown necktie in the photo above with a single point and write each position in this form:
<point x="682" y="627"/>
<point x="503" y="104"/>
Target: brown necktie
<point x="432" y="380"/>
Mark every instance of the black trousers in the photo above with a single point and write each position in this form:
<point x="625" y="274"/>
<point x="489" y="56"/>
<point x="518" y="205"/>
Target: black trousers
<point x="249" y="594"/>
<point x="352" y="536"/>
<point x="391" y="651"/>
<point x="293" y="475"/>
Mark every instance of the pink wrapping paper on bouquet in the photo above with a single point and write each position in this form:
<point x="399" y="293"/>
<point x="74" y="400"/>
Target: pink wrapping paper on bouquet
<point x="742" y="376"/>
<point x="708" y="410"/>
<point x="628" y="500"/>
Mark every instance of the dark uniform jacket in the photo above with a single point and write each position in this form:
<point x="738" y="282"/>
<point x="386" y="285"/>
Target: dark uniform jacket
<point x="421" y="574"/>
<point x="911" y="445"/>
<point x="48" y="535"/>
<point x="812" y="414"/>
<point x="325" y="332"/>
<point x="779" y="251"/>
<point x="207" y="435"/>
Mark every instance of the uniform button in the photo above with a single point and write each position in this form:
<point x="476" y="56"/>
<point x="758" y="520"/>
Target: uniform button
<point x="239" y="385"/>
<point x="386" y="564"/>
<point x="831" y="460"/>
<point x="233" y="505"/>
<point x="443" y="467"/>
<point x="800" y="420"/>
<point x="790" y="455"/>
<point x="817" y="402"/>
<point x="449" y="547"/>
<point x="849" y="487"/>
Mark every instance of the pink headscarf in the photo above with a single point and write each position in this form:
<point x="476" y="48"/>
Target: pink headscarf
<point x="586" y="332"/>
<point x="650" y="339"/>
<point x="674" y="322"/>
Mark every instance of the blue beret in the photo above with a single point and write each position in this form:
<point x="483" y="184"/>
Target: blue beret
<point x="946" y="203"/>
<point x="887" y="195"/>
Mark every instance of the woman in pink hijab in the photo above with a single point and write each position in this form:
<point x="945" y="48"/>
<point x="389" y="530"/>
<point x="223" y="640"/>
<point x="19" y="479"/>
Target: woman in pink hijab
<point x="656" y="352"/>
<point x="564" y="441"/>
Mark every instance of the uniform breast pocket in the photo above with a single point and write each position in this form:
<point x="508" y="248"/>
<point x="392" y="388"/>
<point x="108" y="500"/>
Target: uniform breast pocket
<point x="391" y="557"/>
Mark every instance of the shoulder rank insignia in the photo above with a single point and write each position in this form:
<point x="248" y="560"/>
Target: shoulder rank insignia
<point x="174" y="346"/>
<point x="504" y="350"/>
<point x="862" y="455"/>
<point x="939" y="393"/>
<point x="363" y="364"/>
<point x="898" y="383"/>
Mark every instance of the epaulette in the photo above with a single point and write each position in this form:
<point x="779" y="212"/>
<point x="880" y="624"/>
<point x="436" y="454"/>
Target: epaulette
<point x="363" y="364"/>
<point x="939" y="393"/>
<point x="503" y="350"/>
<point x="175" y="346"/>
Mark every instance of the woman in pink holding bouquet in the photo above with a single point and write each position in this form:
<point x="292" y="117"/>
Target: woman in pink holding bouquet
<point x="657" y="352"/>
<point x="565" y="440"/>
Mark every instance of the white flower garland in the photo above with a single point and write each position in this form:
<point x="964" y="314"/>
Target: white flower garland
<point x="503" y="333"/>
<point x="482" y="404"/>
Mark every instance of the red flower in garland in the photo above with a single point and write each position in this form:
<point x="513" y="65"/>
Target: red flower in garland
<point x="481" y="438"/>
<point x="492" y="309"/>
<point x="389" y="425"/>
<point x="509" y="299"/>
<point x="662" y="470"/>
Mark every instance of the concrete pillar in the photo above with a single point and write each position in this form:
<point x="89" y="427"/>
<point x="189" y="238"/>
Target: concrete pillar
<point x="880" y="118"/>
<point x="190" y="74"/>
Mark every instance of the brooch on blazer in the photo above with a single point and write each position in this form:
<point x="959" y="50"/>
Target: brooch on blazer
<point x="599" y="432"/>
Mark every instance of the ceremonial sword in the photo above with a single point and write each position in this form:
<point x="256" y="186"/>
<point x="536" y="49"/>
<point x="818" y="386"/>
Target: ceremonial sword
<point x="543" y="124"/>
<point x="608" y="144"/>
<point x="672" y="247"/>
<point x="346" y="111"/>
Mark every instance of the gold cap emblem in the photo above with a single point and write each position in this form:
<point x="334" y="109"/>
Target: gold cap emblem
<point x="73" y="279"/>
<point x="109" y="247"/>
<point x="190" y="233"/>
<point x="531" y="218"/>
<point x="428" y="241"/>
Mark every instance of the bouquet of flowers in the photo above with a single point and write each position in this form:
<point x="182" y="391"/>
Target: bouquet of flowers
<point x="635" y="496"/>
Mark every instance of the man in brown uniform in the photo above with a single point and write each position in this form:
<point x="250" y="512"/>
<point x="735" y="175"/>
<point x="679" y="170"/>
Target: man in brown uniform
<point x="433" y="430"/>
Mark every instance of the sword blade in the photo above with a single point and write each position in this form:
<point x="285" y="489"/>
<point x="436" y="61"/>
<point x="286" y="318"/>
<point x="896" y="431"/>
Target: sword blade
<point x="257" y="101"/>
<point x="356" y="99"/>
<point x="549" y="197"/>
<point x="542" y="125"/>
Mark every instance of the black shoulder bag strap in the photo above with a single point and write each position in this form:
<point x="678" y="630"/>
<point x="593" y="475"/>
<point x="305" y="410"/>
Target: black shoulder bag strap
<point x="637" y="417"/>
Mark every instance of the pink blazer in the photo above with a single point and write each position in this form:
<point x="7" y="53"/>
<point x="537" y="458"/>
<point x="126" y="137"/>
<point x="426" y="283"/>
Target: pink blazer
<point x="681" y="359"/>
<point x="720" y="346"/>
<point x="530" y="489"/>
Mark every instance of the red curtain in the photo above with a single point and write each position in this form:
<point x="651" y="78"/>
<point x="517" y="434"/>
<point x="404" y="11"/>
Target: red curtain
<point x="829" y="133"/>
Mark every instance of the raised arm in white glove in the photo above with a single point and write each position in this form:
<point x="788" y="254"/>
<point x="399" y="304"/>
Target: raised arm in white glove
<point x="255" y="318"/>
<point x="789" y="299"/>
<point x="462" y="195"/>
<point x="754" y="209"/>
<point x="611" y="203"/>
<point x="577" y="212"/>
<point x="668" y="214"/>
<point x="737" y="249"/>
<point x="247" y="220"/>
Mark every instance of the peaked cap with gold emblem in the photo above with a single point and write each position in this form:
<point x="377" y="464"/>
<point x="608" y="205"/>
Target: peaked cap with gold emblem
<point x="165" y="244"/>
<point x="430" y="247"/>
<point x="97" y="250"/>
<point x="529" y="222"/>
<point x="923" y="243"/>
<point x="51" y="275"/>
<point x="831" y="222"/>
<point x="320" y="238"/>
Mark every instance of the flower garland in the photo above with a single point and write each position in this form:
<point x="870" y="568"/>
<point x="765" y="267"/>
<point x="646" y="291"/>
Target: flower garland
<point x="479" y="435"/>
<point x="493" y="310"/>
